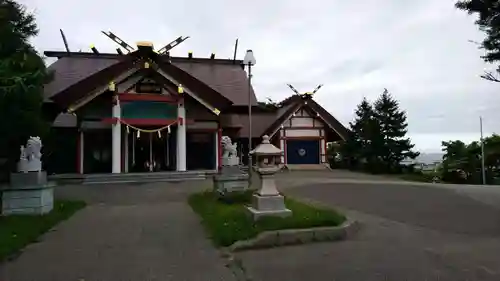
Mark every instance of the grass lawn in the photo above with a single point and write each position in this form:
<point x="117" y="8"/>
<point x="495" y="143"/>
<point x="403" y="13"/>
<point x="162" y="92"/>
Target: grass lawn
<point x="18" y="231"/>
<point x="227" y="223"/>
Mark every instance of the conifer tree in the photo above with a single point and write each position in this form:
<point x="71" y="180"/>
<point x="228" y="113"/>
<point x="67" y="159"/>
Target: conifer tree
<point x="391" y="145"/>
<point x="488" y="21"/>
<point x="364" y="129"/>
<point x="22" y="76"/>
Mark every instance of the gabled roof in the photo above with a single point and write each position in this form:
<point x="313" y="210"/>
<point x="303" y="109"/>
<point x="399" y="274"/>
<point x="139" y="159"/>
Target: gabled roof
<point x="268" y="122"/>
<point x="294" y="103"/>
<point x="78" y="90"/>
<point x="260" y="123"/>
<point x="68" y="71"/>
<point x="331" y="121"/>
<point x="215" y="76"/>
<point x="226" y="78"/>
<point x="129" y="64"/>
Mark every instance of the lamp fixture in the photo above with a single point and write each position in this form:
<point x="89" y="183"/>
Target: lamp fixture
<point x="249" y="58"/>
<point x="112" y="86"/>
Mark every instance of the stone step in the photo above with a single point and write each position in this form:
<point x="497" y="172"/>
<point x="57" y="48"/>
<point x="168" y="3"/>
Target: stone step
<point x="131" y="177"/>
<point x="145" y="177"/>
<point x="307" y="167"/>
<point x="142" y="180"/>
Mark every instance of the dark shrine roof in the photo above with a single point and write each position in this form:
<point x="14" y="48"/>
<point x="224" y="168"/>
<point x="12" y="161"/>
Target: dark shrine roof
<point x="227" y="77"/>
<point x="220" y="80"/>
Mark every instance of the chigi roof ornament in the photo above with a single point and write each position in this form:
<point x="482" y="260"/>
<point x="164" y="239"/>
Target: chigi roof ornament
<point x="118" y="41"/>
<point x="162" y="51"/>
<point x="306" y="93"/>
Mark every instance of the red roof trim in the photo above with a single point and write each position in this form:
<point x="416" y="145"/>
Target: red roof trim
<point x="144" y="121"/>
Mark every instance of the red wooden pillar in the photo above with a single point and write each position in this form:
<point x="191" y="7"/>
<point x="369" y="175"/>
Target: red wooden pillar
<point x="326" y="152"/>
<point x="219" y="143"/>
<point x="283" y="137"/>
<point x="78" y="156"/>
<point x="123" y="148"/>
<point x="284" y="150"/>
<point x="79" y="152"/>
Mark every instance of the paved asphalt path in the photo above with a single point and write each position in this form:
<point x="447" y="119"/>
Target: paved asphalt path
<point x="409" y="232"/>
<point x="147" y="232"/>
<point x="127" y="232"/>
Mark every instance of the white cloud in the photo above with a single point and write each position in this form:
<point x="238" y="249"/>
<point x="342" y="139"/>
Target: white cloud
<point x="419" y="50"/>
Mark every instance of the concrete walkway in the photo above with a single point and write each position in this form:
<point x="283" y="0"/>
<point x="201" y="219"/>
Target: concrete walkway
<point x="128" y="232"/>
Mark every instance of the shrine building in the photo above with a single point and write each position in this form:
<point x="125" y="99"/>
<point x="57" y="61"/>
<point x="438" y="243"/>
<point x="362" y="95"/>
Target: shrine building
<point x="146" y="111"/>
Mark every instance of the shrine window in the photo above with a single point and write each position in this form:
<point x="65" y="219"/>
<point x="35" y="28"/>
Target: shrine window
<point x="148" y="86"/>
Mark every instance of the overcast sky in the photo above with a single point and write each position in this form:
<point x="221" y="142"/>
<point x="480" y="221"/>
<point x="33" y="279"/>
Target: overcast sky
<point x="419" y="50"/>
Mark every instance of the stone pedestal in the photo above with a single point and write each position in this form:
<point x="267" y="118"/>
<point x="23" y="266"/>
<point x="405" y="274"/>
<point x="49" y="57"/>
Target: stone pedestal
<point x="229" y="162"/>
<point x="267" y="201"/>
<point x="29" y="166"/>
<point x="28" y="194"/>
<point x="231" y="178"/>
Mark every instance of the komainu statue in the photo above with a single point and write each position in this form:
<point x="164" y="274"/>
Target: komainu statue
<point x="30" y="158"/>
<point x="229" y="149"/>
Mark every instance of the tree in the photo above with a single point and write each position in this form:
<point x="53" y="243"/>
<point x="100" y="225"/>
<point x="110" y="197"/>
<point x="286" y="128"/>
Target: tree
<point x="488" y="12"/>
<point x="456" y="157"/>
<point x="454" y="150"/>
<point x="492" y="152"/>
<point x="462" y="162"/>
<point x="359" y="146"/>
<point x="391" y="144"/>
<point x="334" y="154"/>
<point x="378" y="136"/>
<point x="22" y="76"/>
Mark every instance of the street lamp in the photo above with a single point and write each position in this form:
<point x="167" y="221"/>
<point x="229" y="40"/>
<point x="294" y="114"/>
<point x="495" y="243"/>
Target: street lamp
<point x="483" y="171"/>
<point x="249" y="60"/>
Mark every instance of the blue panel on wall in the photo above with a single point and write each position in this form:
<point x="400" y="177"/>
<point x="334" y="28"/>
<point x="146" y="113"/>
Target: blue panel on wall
<point x="149" y="110"/>
<point x="302" y="151"/>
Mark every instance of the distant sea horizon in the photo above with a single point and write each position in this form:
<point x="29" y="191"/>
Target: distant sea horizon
<point x="429" y="157"/>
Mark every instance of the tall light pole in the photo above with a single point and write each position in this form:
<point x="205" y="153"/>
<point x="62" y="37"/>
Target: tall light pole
<point x="483" y="171"/>
<point x="249" y="61"/>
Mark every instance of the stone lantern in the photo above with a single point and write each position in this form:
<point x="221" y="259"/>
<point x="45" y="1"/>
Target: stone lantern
<point x="267" y="201"/>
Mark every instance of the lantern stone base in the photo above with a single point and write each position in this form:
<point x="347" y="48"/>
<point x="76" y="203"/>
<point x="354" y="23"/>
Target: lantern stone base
<point x="263" y="206"/>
